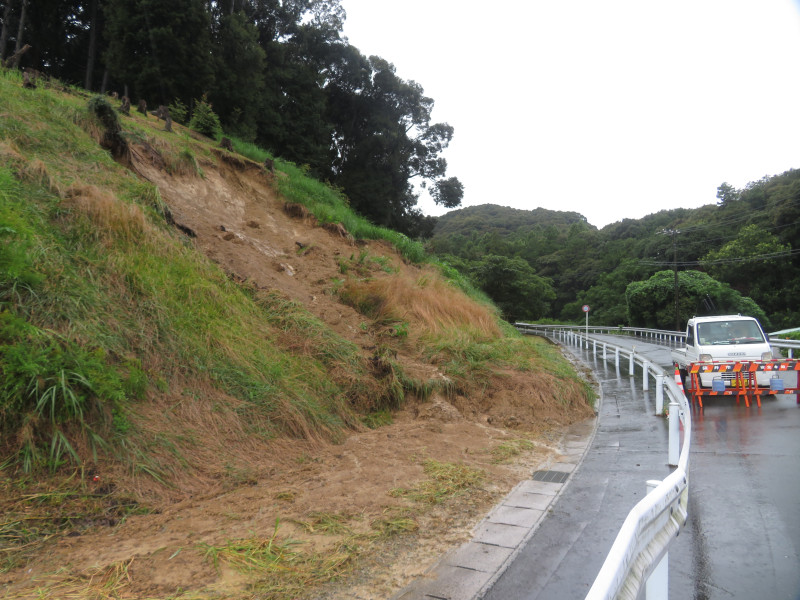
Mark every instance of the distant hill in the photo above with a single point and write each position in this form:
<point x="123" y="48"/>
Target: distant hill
<point x="747" y="242"/>
<point x="502" y="219"/>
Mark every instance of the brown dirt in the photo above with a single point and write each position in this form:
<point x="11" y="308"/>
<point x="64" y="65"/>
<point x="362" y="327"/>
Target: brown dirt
<point x="238" y="491"/>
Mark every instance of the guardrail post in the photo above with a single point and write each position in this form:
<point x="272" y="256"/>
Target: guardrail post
<point x="616" y="357"/>
<point x="657" y="585"/>
<point x="594" y="347"/>
<point x="630" y="363"/>
<point x="645" y="376"/>
<point x="659" y="394"/>
<point x="605" y="357"/>
<point x="674" y="433"/>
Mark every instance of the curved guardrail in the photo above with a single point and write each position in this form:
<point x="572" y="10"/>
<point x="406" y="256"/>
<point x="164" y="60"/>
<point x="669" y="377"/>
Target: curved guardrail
<point x="638" y="557"/>
<point x="643" y="332"/>
<point x="675" y="337"/>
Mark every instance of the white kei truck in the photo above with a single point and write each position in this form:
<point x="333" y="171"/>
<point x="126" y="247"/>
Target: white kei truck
<point x="723" y="339"/>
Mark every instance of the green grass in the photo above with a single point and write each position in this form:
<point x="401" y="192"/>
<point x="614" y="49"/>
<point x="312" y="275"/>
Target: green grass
<point x="327" y="523"/>
<point x="510" y="449"/>
<point x="473" y="359"/>
<point x="96" y="292"/>
<point x="281" y="567"/>
<point x="445" y="481"/>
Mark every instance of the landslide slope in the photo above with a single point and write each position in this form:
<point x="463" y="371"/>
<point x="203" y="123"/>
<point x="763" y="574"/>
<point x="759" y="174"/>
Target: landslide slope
<point x="211" y="392"/>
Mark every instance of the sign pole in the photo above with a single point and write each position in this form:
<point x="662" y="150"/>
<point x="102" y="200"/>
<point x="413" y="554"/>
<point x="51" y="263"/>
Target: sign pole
<point x="586" y="311"/>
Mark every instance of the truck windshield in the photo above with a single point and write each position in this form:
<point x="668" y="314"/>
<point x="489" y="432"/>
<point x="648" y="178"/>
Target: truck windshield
<point x="729" y="332"/>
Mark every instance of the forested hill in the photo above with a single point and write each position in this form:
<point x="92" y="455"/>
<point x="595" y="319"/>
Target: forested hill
<point x="738" y="255"/>
<point x="501" y="220"/>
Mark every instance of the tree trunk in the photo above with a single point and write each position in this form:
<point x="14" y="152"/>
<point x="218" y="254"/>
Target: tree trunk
<point x="92" y="47"/>
<point x="104" y="85"/>
<point x="21" y="28"/>
<point x="4" y="34"/>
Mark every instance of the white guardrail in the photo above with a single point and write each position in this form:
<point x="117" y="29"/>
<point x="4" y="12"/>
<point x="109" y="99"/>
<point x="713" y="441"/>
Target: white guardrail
<point x="657" y="335"/>
<point x="639" y="556"/>
<point x="789" y="345"/>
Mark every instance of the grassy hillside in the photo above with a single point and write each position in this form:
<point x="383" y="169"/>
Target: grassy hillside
<point x="103" y="301"/>
<point x="128" y="347"/>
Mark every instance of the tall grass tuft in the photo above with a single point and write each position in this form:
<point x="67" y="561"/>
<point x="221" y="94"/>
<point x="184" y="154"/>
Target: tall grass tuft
<point x="107" y="217"/>
<point x="428" y="301"/>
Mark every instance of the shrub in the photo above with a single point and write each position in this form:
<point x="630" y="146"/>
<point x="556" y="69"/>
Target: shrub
<point x="178" y="111"/>
<point x="204" y="120"/>
<point x="112" y="138"/>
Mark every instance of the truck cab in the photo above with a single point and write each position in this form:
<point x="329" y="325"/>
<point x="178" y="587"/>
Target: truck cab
<point x="726" y="338"/>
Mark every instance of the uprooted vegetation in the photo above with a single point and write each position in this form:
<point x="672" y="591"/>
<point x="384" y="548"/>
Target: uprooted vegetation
<point x="206" y="395"/>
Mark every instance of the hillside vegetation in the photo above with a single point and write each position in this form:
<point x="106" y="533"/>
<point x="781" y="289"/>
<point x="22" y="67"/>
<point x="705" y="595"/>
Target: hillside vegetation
<point x="204" y="362"/>
<point x="280" y="74"/>
<point x="738" y="255"/>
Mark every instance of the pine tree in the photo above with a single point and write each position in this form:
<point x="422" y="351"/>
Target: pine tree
<point x="204" y="120"/>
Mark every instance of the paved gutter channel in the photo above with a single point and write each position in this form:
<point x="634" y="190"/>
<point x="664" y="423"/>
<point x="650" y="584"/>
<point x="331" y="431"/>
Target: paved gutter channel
<point x="529" y="523"/>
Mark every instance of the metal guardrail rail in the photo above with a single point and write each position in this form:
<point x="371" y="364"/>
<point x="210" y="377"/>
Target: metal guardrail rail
<point x="790" y="345"/>
<point x="643" y="332"/>
<point x="639" y="556"/>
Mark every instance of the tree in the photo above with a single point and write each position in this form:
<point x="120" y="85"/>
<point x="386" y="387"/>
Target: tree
<point x="755" y="263"/>
<point x="293" y="121"/>
<point x="726" y="194"/>
<point x="239" y="63"/>
<point x="383" y="139"/>
<point x="514" y="286"/>
<point x="651" y="303"/>
<point x="161" y="49"/>
<point x="5" y="30"/>
<point x="91" y="56"/>
<point x="204" y="120"/>
<point x="58" y="34"/>
<point x="448" y="192"/>
<point x="607" y="296"/>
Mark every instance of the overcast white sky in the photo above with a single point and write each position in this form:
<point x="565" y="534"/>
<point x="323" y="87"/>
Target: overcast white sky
<point x="611" y="108"/>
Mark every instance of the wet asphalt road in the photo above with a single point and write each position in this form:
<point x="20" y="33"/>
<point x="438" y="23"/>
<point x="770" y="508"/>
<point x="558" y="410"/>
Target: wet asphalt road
<point x="744" y="504"/>
<point x="742" y="539"/>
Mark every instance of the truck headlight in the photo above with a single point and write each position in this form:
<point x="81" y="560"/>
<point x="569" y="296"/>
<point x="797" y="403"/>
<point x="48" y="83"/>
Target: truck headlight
<point x="706" y="358"/>
<point x="766" y="356"/>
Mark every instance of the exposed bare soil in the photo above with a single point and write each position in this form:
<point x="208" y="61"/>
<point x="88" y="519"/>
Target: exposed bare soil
<point x="236" y="490"/>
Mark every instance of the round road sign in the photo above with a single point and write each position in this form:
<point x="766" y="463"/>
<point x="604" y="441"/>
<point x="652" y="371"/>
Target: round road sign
<point x="585" y="308"/>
